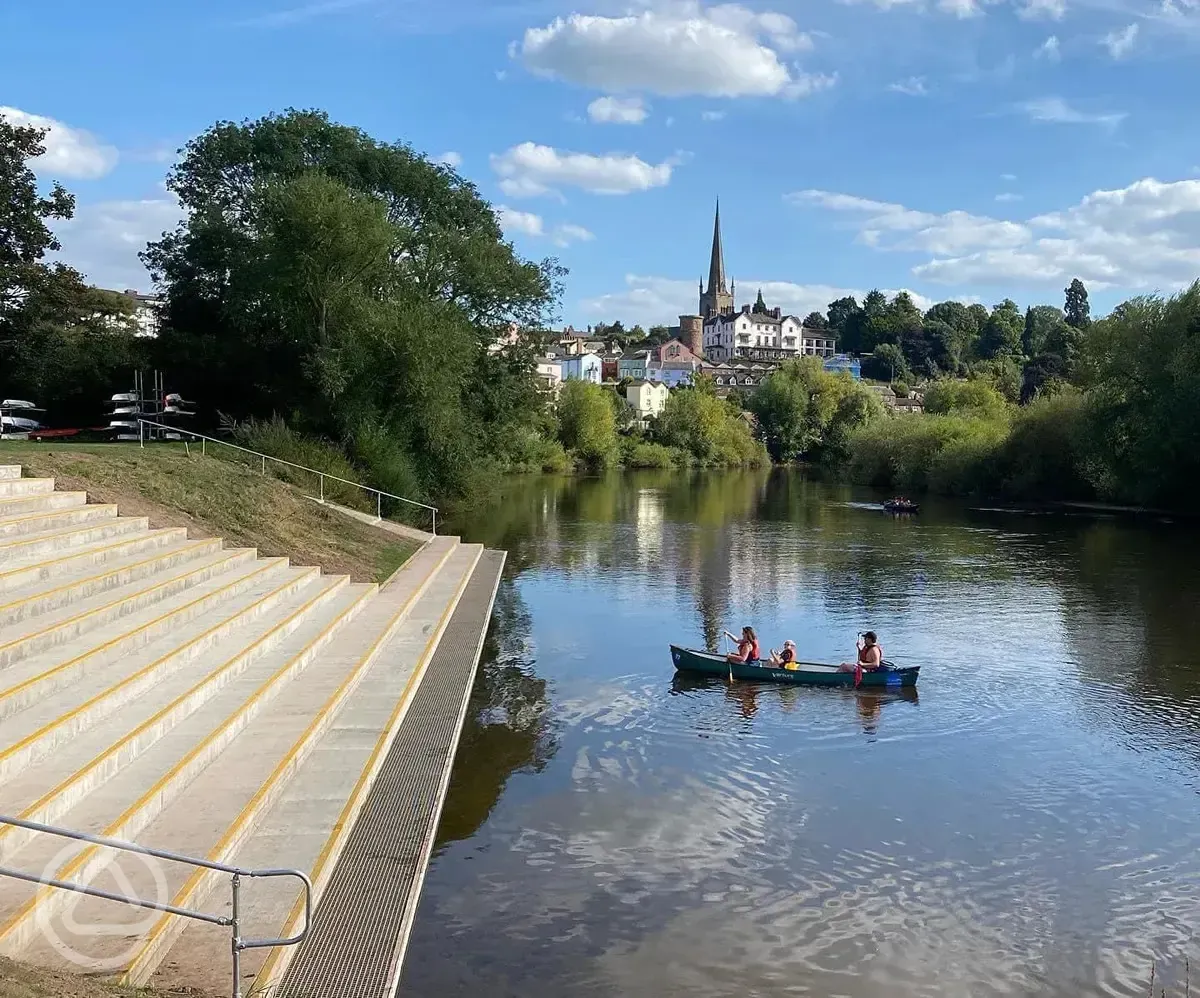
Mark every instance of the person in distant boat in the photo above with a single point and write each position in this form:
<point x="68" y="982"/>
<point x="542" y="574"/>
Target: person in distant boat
<point x="747" y="653"/>
<point x="870" y="654"/>
<point x="785" y="658"/>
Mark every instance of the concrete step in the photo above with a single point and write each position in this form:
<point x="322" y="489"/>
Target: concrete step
<point x="25" y="486"/>
<point x="49" y="543"/>
<point x="16" y="505"/>
<point x="153" y="699"/>
<point x="304" y="808"/>
<point x="55" y="519"/>
<point x="16" y="573"/>
<point x="37" y="599"/>
<point x="10" y="471"/>
<point x="226" y="803"/>
<point x="142" y="789"/>
<point x="56" y="627"/>
<point x="155" y="630"/>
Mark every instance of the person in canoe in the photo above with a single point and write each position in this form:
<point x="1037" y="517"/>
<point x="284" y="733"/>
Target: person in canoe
<point x="870" y="654"/>
<point x="785" y="658"/>
<point x="747" y="645"/>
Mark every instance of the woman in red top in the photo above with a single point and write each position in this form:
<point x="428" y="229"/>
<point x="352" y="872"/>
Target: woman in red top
<point x="747" y="653"/>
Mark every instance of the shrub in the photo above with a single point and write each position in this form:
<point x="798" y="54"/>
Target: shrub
<point x="276" y="439"/>
<point x="642" y="454"/>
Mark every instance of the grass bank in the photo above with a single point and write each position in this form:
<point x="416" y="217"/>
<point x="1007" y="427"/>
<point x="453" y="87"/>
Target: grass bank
<point x="20" y="981"/>
<point x="216" y="498"/>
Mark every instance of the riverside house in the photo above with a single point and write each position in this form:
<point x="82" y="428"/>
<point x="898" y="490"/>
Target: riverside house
<point x="647" y="398"/>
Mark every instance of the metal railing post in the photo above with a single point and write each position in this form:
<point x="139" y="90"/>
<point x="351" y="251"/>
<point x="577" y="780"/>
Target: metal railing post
<point x="237" y="937"/>
<point x="264" y="464"/>
<point x="203" y="447"/>
<point x="141" y="434"/>
<point x="434" y="530"/>
<point x="322" y="489"/>
<point x="378" y="505"/>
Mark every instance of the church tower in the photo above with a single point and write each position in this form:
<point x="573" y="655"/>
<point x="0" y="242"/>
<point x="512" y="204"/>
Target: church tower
<point x="718" y="299"/>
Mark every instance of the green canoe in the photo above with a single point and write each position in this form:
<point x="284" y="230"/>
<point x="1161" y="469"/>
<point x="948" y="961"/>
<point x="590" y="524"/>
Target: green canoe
<point x="809" y="673"/>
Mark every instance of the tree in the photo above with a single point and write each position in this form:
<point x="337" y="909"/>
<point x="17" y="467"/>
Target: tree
<point x="1076" y="310"/>
<point x="25" y="238"/>
<point x="815" y="320"/>
<point x="886" y="363"/>
<point x="708" y="429"/>
<point x="353" y="287"/>
<point x="1143" y="399"/>
<point x="1002" y="334"/>
<point x="875" y="326"/>
<point x="801" y="407"/>
<point x="1041" y="373"/>
<point x="846" y="321"/>
<point x="975" y="397"/>
<point x="1042" y="322"/>
<point x="587" y="422"/>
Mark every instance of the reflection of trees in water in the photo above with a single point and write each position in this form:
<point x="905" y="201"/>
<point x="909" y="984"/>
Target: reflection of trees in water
<point x="507" y="729"/>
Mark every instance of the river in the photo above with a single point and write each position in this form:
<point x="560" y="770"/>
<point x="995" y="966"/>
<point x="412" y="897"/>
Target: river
<point x="1027" y="824"/>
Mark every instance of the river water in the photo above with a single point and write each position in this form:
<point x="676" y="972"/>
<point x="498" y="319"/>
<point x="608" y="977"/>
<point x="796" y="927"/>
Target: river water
<point x="1027" y="824"/>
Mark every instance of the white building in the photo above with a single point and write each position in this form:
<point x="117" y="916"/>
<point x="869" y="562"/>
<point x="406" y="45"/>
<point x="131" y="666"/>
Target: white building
<point x="147" y="311"/>
<point x="647" y="398"/>
<point x="763" y="335"/>
<point x="549" y="374"/>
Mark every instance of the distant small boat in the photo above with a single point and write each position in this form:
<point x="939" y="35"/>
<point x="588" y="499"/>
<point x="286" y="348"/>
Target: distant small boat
<point x="901" y="506"/>
<point x="808" y="673"/>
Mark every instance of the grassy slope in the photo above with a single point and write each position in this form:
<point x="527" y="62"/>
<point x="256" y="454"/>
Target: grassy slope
<point x="216" y="498"/>
<point x="18" y="981"/>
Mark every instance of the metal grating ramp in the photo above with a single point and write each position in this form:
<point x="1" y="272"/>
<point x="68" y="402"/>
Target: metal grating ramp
<point x="361" y="926"/>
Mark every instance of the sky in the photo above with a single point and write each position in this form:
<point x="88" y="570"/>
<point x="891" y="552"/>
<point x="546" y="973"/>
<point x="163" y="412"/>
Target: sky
<point x="968" y="149"/>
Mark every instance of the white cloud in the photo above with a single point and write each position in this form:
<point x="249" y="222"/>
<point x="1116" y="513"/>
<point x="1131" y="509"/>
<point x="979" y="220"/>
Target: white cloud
<point x="451" y="159"/>
<point x="1144" y="236"/>
<point x="1057" y="110"/>
<point x="526" y="223"/>
<point x="104" y="239"/>
<point x="70" y="152"/>
<point x="679" y="50"/>
<point x="1008" y="196"/>
<point x="565" y="234"/>
<point x="531" y="170"/>
<point x="650" y="300"/>
<point x="1120" y="43"/>
<point x="914" y="86"/>
<point x="712" y="115"/>
<point x="1038" y="10"/>
<point x="618" y="110"/>
<point x="1010" y="177"/>
<point x="1049" y="49"/>
<point x="960" y="8"/>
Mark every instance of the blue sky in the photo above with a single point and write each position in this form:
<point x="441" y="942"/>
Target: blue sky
<point x="970" y="149"/>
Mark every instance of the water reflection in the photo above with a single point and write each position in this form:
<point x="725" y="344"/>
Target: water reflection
<point x="1028" y="826"/>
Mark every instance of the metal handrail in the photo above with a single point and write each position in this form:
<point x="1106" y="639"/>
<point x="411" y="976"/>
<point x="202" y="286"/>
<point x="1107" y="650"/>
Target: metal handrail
<point x="322" y="475"/>
<point x="231" y="921"/>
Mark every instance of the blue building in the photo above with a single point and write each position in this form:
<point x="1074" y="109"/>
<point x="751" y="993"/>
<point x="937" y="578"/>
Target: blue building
<point x="844" y="362"/>
<point x="583" y="367"/>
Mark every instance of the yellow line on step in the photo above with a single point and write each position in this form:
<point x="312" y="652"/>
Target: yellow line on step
<point x="70" y="510"/>
<point x="129" y="598"/>
<point x="161" y="785"/>
<point x="27" y="540"/>
<point x="147" y="960"/>
<point x="46" y="593"/>
<point x="111" y="642"/>
<point x="82" y="709"/>
<point x="280" y="957"/>
<point x="43" y="495"/>
<point x="89" y="552"/>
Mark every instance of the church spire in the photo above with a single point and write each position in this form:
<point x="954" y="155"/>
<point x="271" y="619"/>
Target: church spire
<point x="716" y="266"/>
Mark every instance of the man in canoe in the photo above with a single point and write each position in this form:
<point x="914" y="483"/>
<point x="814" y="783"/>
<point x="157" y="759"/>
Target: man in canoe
<point x="870" y="654"/>
<point x="747" y="644"/>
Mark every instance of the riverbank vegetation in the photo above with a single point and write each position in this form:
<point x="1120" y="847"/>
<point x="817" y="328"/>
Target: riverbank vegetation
<point x="331" y="297"/>
<point x="1106" y="409"/>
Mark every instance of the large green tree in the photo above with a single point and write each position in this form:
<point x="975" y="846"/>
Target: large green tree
<point x="352" y="286"/>
<point x="1002" y="334"/>
<point x="1076" y="309"/>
